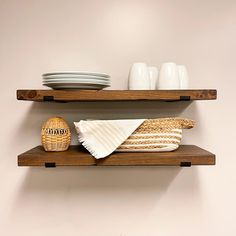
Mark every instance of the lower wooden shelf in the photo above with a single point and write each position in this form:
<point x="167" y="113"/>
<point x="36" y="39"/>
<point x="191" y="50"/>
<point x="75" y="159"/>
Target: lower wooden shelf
<point x="185" y="155"/>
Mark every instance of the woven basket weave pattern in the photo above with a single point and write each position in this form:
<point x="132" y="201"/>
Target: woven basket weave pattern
<point x="165" y="123"/>
<point x="157" y="134"/>
<point x="55" y="135"/>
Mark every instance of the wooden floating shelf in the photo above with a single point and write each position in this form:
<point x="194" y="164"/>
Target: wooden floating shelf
<point x="116" y="95"/>
<point x="185" y="155"/>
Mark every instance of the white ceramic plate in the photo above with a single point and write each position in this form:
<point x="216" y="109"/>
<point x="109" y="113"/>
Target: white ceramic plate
<point x="81" y="82"/>
<point x="76" y="87"/>
<point x="51" y="77"/>
<point x="78" y="80"/>
<point x="76" y="73"/>
<point x="76" y="84"/>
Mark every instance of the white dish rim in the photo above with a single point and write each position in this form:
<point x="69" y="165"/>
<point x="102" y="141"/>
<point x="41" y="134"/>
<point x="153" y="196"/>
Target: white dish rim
<point x="75" y="79"/>
<point x="77" y="87"/>
<point x="77" y="73"/>
<point x="77" y="82"/>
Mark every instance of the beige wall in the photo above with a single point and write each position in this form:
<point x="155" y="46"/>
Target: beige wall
<point x="38" y="36"/>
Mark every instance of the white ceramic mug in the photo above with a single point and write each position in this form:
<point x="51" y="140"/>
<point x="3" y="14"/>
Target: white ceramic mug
<point x="169" y="76"/>
<point x="183" y="77"/>
<point x="139" y="77"/>
<point x="153" y="76"/>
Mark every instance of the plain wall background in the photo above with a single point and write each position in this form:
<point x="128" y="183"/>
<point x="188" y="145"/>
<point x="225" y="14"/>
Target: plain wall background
<point x="108" y="36"/>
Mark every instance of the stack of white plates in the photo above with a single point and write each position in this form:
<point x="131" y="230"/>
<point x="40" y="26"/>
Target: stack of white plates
<point x="76" y="80"/>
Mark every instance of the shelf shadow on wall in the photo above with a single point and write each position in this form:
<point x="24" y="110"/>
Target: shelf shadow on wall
<point x="94" y="182"/>
<point x="111" y="110"/>
<point x="107" y="189"/>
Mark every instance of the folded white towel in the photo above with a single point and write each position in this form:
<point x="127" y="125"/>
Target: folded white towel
<point x="102" y="137"/>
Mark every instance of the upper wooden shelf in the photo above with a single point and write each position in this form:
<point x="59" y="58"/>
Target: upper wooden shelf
<point x="116" y="95"/>
<point x="185" y="155"/>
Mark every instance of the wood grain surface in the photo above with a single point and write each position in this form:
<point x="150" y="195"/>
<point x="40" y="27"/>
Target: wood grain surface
<point x="116" y="95"/>
<point x="78" y="156"/>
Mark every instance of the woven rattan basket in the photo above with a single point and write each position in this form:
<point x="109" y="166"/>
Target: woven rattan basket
<point x="162" y="134"/>
<point x="55" y="134"/>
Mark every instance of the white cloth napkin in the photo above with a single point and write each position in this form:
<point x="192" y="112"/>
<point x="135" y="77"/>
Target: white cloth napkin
<point x="102" y="137"/>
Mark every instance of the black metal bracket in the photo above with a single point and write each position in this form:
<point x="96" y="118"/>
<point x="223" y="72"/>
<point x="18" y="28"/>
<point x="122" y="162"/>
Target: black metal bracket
<point x="185" y="164"/>
<point x="181" y="98"/>
<point x="50" y="164"/>
<point x="48" y="98"/>
<point x="184" y="98"/>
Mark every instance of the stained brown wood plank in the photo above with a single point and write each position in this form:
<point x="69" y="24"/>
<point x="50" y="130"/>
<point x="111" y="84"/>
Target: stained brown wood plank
<point x="116" y="95"/>
<point x="78" y="156"/>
